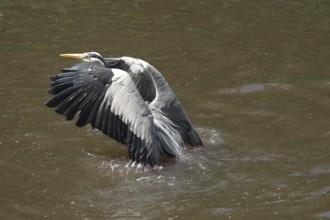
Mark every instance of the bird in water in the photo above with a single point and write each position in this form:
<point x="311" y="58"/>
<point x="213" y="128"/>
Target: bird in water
<point x="127" y="99"/>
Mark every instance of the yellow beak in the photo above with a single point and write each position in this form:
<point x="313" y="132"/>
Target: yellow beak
<point x="79" y="56"/>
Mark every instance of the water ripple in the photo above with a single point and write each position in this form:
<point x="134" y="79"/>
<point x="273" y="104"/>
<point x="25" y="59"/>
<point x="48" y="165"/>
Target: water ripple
<point x="256" y="88"/>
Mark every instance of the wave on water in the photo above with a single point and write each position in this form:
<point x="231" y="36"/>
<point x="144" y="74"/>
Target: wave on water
<point x="195" y="166"/>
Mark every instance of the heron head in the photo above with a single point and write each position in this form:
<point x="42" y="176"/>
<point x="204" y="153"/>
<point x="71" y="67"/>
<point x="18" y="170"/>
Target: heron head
<point x="89" y="57"/>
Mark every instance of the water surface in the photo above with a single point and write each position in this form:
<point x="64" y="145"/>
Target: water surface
<point x="253" y="77"/>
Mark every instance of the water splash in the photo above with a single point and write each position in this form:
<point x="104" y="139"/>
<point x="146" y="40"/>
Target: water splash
<point x="210" y="136"/>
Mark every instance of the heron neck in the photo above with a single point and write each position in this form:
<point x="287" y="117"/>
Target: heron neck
<point x="158" y="79"/>
<point x="163" y="90"/>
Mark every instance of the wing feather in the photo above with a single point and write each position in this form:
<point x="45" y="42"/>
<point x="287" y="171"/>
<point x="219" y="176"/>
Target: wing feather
<point x="56" y="100"/>
<point x="132" y="118"/>
<point x="145" y="77"/>
<point x="109" y="100"/>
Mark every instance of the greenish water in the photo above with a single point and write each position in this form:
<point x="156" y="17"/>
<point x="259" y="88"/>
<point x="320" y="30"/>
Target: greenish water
<point x="253" y="76"/>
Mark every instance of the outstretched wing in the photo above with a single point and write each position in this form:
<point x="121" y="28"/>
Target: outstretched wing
<point x="171" y="107"/>
<point x="145" y="76"/>
<point x="109" y="100"/>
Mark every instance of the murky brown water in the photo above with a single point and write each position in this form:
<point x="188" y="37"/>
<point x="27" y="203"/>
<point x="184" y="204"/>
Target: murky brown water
<point x="254" y="77"/>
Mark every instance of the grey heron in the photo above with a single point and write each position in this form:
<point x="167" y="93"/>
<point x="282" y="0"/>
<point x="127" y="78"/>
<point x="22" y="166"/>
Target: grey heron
<point x="127" y="99"/>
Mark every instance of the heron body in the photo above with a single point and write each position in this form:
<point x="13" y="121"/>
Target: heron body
<point x="127" y="99"/>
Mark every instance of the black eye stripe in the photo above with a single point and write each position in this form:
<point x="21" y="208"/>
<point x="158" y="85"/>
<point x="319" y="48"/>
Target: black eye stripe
<point x="98" y="57"/>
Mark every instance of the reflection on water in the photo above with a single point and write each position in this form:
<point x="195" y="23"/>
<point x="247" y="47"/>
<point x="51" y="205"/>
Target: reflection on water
<point x="253" y="77"/>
